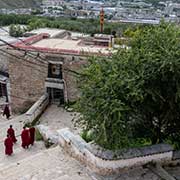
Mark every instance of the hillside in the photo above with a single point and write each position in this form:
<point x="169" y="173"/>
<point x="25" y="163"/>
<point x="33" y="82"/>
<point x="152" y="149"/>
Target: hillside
<point x="11" y="4"/>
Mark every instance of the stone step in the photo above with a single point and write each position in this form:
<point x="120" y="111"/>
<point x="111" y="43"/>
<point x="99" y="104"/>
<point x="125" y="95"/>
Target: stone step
<point x="19" y="153"/>
<point x="51" y="164"/>
<point x="36" y="163"/>
<point x="17" y="123"/>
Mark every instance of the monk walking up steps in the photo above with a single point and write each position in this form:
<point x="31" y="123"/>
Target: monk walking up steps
<point x="11" y="133"/>
<point x="25" y="137"/>
<point x="8" y="145"/>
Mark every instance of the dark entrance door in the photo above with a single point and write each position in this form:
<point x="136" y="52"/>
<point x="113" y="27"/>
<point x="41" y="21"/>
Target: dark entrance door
<point x="56" y="95"/>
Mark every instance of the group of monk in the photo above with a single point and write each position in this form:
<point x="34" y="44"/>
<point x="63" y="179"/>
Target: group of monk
<point x="27" y="137"/>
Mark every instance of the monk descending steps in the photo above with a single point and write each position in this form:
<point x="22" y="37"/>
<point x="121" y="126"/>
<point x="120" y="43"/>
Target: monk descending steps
<point x="11" y="133"/>
<point x="8" y="145"/>
<point x="25" y="137"/>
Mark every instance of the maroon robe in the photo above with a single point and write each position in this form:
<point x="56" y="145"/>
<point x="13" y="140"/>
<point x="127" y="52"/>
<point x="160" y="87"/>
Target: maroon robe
<point x="25" y="138"/>
<point x="11" y="133"/>
<point x="8" y="146"/>
<point x="6" y="112"/>
<point x="32" y="135"/>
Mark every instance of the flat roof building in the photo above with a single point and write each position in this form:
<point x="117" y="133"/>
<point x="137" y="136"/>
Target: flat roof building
<point x="45" y="63"/>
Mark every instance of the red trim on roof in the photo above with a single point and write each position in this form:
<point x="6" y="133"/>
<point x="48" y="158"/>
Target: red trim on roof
<point x="27" y="45"/>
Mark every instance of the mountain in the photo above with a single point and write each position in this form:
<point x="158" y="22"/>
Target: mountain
<point x="12" y="4"/>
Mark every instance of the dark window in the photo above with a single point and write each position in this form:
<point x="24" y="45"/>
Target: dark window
<point x="55" y="71"/>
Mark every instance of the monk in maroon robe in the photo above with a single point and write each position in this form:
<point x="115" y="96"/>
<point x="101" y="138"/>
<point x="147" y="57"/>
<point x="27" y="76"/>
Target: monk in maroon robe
<point x="6" y="112"/>
<point x="32" y="135"/>
<point x="8" y="145"/>
<point x="11" y="133"/>
<point x="25" y="137"/>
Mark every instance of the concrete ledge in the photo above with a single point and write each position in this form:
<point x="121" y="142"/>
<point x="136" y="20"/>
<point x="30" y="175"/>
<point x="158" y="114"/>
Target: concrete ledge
<point x="37" y="108"/>
<point x="128" y="153"/>
<point x="80" y="150"/>
<point x="47" y="134"/>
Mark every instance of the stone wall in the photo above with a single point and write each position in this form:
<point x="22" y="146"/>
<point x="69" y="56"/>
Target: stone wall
<point x="3" y="60"/>
<point x="27" y="78"/>
<point x="70" y="78"/>
<point x="37" y="108"/>
<point x="28" y="75"/>
<point x="80" y="150"/>
<point x="104" y="162"/>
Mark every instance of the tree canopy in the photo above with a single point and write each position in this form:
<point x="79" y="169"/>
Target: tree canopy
<point x="134" y="96"/>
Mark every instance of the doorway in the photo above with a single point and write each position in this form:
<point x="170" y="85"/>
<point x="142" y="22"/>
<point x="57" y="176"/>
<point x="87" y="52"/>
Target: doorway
<point x="56" y="96"/>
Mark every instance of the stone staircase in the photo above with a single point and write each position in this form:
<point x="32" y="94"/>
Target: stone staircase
<point x="19" y="153"/>
<point x="51" y="164"/>
<point x="37" y="162"/>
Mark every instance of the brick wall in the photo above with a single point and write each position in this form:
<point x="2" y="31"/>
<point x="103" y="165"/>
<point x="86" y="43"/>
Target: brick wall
<point x="71" y="78"/>
<point x="27" y="78"/>
<point x="3" y="61"/>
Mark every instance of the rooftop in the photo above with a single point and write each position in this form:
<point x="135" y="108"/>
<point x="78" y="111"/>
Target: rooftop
<point x="75" y="45"/>
<point x="51" y="41"/>
<point x="4" y="35"/>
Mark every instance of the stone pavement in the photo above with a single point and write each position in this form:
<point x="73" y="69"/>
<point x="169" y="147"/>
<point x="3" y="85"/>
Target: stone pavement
<point x="135" y="174"/>
<point x="57" y="118"/>
<point x="174" y="171"/>
<point x="51" y="164"/>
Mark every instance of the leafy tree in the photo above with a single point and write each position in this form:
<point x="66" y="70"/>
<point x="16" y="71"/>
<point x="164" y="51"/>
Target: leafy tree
<point x="156" y="53"/>
<point x="16" y="30"/>
<point x="80" y="25"/>
<point x="135" y="94"/>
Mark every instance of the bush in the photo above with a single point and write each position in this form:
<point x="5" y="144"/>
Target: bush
<point x="88" y="136"/>
<point x="16" y="30"/>
<point x="38" y="135"/>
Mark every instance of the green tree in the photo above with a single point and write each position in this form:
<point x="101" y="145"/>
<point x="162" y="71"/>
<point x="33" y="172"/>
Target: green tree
<point x="135" y="94"/>
<point x="156" y="53"/>
<point x="16" y="30"/>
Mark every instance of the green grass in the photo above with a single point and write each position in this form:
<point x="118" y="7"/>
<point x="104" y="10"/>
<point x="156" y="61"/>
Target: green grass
<point x="38" y="135"/>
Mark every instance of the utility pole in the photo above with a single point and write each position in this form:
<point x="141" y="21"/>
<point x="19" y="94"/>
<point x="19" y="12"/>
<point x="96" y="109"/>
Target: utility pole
<point x="102" y="20"/>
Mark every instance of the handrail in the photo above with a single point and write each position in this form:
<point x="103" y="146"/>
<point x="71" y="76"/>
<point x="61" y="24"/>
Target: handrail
<point x="37" y="108"/>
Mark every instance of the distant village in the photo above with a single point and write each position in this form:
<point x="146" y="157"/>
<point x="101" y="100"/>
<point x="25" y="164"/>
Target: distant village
<point x="137" y="11"/>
